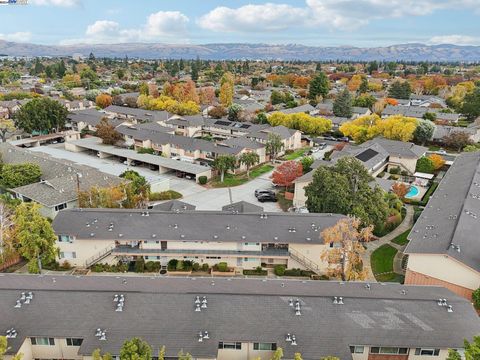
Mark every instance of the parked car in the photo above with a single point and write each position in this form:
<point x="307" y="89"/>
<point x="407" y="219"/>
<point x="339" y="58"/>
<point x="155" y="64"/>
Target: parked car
<point x="331" y="138"/>
<point x="259" y="192"/>
<point x="322" y="146"/>
<point x="344" y="139"/>
<point x="442" y="151"/>
<point x="267" y="197"/>
<point x="180" y="174"/>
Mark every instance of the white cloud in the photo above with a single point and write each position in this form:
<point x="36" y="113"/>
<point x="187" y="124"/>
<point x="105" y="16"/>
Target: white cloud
<point x="21" y="36"/>
<point x="62" y="3"/>
<point x="252" y="18"/>
<point x="454" y="39"/>
<point x="335" y="14"/>
<point x="159" y="26"/>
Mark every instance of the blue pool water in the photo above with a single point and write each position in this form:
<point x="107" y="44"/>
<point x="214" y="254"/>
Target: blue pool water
<point x="412" y="192"/>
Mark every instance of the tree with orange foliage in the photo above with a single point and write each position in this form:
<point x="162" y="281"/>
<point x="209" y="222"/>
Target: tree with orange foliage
<point x="103" y="100"/>
<point x="354" y="83"/>
<point x="437" y="160"/>
<point x="400" y="189"/>
<point x="207" y="95"/>
<point x="301" y="82"/>
<point x="286" y="173"/>
<point x="391" y="101"/>
<point x="345" y="256"/>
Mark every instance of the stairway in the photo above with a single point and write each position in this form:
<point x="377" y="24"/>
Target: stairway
<point x="307" y="263"/>
<point x="99" y="256"/>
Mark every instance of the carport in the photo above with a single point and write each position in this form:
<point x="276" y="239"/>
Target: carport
<point x="164" y="164"/>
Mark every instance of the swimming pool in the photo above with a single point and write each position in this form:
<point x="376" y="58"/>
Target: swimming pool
<point x="412" y="192"/>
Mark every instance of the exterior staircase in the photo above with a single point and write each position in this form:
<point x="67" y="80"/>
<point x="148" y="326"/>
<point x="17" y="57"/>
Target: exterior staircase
<point x="102" y="254"/>
<point x="301" y="259"/>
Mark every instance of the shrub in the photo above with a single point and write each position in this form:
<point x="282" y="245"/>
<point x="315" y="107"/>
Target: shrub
<point x="65" y="265"/>
<point x="381" y="175"/>
<point x="139" y="265"/>
<point x="187" y="265"/>
<point x="205" y="267"/>
<point x="164" y="195"/>
<point x="146" y="151"/>
<point x="395" y="170"/>
<point x="476" y="298"/>
<point x="404" y="173"/>
<point x="222" y="267"/>
<point x="172" y="265"/>
<point x="180" y="266"/>
<point x="196" y="266"/>
<point x="425" y="165"/>
<point x="257" y="271"/>
<point x="152" y="266"/>
<point x="202" y="180"/>
<point x="297" y="272"/>
<point x="279" y="270"/>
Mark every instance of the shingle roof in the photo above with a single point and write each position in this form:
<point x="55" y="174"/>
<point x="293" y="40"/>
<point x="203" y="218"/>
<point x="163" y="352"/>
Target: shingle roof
<point x="398" y="148"/>
<point x="60" y="175"/>
<point x="452" y="215"/>
<point x="139" y="114"/>
<point x="197" y="225"/>
<point x="444" y="130"/>
<point x="242" y="207"/>
<point x="174" y="205"/>
<point x="161" y="311"/>
<point x="298" y="109"/>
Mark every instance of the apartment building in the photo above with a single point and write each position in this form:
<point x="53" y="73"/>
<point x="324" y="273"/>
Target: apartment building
<point x="444" y="246"/>
<point x="242" y="240"/>
<point x="68" y="317"/>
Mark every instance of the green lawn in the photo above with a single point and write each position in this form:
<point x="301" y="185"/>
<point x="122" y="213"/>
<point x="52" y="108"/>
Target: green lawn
<point x="235" y="180"/>
<point x="402" y="238"/>
<point x="296" y="154"/>
<point x="382" y="262"/>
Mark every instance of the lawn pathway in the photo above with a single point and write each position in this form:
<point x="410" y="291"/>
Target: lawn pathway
<point x="406" y="224"/>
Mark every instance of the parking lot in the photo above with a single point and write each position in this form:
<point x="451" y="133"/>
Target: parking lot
<point x="203" y="198"/>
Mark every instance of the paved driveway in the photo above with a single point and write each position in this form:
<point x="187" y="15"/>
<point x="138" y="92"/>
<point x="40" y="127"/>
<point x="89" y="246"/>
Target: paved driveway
<point x="204" y="199"/>
<point x="214" y="199"/>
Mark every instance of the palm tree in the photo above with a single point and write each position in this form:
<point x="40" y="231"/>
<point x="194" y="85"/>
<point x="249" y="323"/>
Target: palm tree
<point x="249" y="159"/>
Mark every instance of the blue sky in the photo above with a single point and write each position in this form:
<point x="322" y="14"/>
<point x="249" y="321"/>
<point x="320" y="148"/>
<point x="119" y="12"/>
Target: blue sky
<point x="311" y="22"/>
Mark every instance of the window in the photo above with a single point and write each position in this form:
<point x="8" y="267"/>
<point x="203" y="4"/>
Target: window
<point x="60" y="207"/>
<point x="230" y="345"/>
<point x="355" y="349"/>
<point x="68" y="255"/>
<point x="265" y="346"/>
<point x="427" y="352"/>
<point x="389" y="350"/>
<point x="65" y="238"/>
<point x="74" y="342"/>
<point x="42" y="341"/>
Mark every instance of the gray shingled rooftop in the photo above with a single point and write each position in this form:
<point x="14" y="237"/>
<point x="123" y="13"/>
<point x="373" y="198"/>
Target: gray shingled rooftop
<point x="161" y="311"/>
<point x="196" y="225"/>
<point x="452" y="215"/>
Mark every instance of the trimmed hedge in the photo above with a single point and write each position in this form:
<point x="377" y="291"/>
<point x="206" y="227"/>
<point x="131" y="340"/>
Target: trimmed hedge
<point x="202" y="180"/>
<point x="257" y="271"/>
<point x="165" y="195"/>
<point x="279" y="270"/>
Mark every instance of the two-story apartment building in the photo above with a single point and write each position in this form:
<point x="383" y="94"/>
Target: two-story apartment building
<point x="444" y="246"/>
<point x="69" y="317"/>
<point x="242" y="240"/>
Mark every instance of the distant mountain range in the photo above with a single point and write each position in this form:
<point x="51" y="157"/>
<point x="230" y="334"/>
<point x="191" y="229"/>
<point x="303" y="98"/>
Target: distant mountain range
<point x="406" y="52"/>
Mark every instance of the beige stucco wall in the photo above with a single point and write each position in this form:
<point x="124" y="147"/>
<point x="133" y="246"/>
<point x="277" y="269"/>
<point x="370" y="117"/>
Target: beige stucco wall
<point x="246" y="353"/>
<point x="409" y="163"/>
<point x="58" y="351"/>
<point x="84" y="249"/>
<point x="299" y="197"/>
<point x="444" y="268"/>
<point x="441" y="356"/>
<point x="312" y="252"/>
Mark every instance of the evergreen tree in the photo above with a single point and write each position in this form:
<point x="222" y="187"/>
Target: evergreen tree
<point x="319" y="86"/>
<point x="342" y="106"/>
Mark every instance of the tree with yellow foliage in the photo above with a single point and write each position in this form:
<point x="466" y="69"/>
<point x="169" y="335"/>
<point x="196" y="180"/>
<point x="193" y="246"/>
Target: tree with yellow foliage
<point x="301" y="121"/>
<point x="345" y="258"/>
<point x="362" y="128"/>
<point x="398" y="127"/>
<point x="227" y="83"/>
<point x="437" y="160"/>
